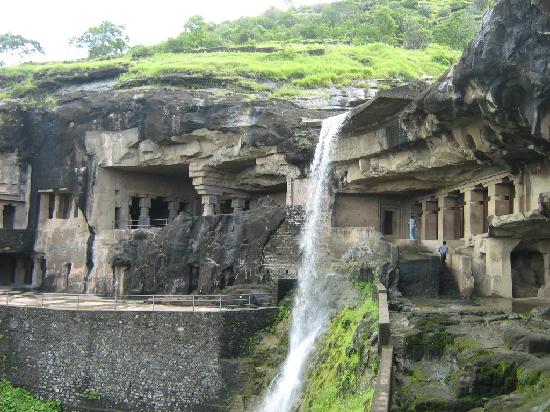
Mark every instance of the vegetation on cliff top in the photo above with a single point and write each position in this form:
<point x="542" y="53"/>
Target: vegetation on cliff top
<point x="283" y="52"/>
<point x="17" y="400"/>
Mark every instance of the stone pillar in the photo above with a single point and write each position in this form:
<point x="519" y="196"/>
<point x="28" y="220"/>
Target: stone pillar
<point x="446" y="218"/>
<point x="518" y="195"/>
<point x="173" y="206"/>
<point x="44" y="207"/>
<point x="1" y="216"/>
<point x="429" y="220"/>
<point x="37" y="275"/>
<point x="473" y="212"/>
<point x="289" y="189"/>
<point x="238" y="205"/>
<point x="209" y="203"/>
<point x="57" y="206"/>
<point x="144" y="206"/>
<point x="499" y="199"/>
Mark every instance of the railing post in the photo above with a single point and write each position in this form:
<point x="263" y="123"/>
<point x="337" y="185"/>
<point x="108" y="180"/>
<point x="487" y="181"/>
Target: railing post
<point x="249" y="301"/>
<point x="220" y="302"/>
<point x="116" y="300"/>
<point x="78" y="302"/>
<point x="153" y="303"/>
<point x="193" y="303"/>
<point x="8" y="298"/>
<point x="42" y="301"/>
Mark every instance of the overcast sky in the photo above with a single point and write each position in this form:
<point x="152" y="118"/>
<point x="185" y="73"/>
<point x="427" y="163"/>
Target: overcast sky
<point x="52" y="22"/>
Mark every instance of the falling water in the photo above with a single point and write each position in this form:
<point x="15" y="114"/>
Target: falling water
<point x="312" y="306"/>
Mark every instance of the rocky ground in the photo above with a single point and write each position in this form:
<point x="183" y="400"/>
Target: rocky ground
<point x="480" y="356"/>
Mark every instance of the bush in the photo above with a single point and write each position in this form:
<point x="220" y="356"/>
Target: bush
<point x="140" y="51"/>
<point x="18" y="400"/>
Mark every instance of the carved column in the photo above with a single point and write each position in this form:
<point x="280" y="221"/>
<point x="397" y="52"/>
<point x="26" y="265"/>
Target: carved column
<point x="209" y="203"/>
<point x="446" y="218"/>
<point x="429" y="220"/>
<point x="499" y="199"/>
<point x="57" y="206"/>
<point x="43" y="213"/>
<point x="473" y="212"/>
<point x="238" y="205"/>
<point x="37" y="274"/>
<point x="518" y="195"/>
<point x="173" y="206"/>
<point x="144" y="206"/>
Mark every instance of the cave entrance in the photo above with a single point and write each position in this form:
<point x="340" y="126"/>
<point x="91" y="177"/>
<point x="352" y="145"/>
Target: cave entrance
<point x="159" y="213"/>
<point x="193" y="283"/>
<point x="8" y="216"/>
<point x="527" y="273"/>
<point x="134" y="212"/>
<point x="8" y="264"/>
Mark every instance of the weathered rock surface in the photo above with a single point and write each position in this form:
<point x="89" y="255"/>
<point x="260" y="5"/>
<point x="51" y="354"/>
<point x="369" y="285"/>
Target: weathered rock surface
<point x="217" y="251"/>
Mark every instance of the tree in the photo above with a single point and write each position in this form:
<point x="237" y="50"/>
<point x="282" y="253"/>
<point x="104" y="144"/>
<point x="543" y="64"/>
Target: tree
<point x="16" y="44"/>
<point x="457" y="30"/>
<point x="105" y="40"/>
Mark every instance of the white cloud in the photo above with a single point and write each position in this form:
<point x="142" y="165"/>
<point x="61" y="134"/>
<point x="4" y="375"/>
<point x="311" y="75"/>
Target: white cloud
<point x="53" y="22"/>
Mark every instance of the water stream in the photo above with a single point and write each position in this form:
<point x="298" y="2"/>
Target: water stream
<point x="312" y="306"/>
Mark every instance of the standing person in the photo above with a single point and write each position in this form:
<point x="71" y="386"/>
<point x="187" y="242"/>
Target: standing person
<point x="412" y="227"/>
<point x="443" y="250"/>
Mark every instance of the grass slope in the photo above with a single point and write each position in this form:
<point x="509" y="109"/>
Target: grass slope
<point x="293" y="68"/>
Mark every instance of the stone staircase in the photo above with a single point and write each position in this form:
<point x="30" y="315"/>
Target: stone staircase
<point x="447" y="285"/>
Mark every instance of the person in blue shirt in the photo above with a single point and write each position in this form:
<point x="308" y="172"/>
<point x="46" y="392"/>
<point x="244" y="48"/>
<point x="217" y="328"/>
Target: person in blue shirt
<point x="443" y="250"/>
<point x="412" y="227"/>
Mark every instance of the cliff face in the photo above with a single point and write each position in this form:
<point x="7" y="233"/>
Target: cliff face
<point x="491" y="110"/>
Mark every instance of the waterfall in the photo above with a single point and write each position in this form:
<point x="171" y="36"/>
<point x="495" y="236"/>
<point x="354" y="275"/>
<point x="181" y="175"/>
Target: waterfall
<point x="312" y="306"/>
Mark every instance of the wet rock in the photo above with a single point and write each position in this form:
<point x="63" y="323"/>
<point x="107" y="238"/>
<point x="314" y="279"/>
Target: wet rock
<point x="527" y="341"/>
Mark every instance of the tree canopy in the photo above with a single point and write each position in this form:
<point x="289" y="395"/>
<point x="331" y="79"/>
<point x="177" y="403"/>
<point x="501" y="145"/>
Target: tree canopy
<point x="105" y="40"/>
<point x="17" y="44"/>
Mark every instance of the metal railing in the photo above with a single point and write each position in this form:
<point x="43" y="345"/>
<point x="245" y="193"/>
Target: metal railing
<point x="135" y="224"/>
<point x="153" y="303"/>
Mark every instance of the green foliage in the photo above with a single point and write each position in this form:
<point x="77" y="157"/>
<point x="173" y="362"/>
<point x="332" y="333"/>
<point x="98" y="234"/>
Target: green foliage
<point x="105" y="40"/>
<point x="344" y="370"/>
<point x="457" y="30"/>
<point x="284" y="313"/>
<point x="17" y="44"/>
<point x="91" y="394"/>
<point x="18" y="400"/>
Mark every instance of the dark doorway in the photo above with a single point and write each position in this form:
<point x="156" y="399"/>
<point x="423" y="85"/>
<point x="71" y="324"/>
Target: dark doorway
<point x="193" y="279"/>
<point x="51" y="205"/>
<point x="7" y="270"/>
<point x="159" y="212"/>
<point x="527" y="273"/>
<point x="134" y="212"/>
<point x="388" y="222"/>
<point x="9" y="216"/>
<point x="225" y="207"/>
<point x="64" y="206"/>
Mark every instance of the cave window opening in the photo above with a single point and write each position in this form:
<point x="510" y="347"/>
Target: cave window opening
<point x="8" y="216"/>
<point x="388" y="222"/>
<point x="51" y="205"/>
<point x="64" y="206"/>
<point x="158" y="213"/>
<point x="182" y="207"/>
<point x="7" y="269"/>
<point x="134" y="212"/>
<point x="527" y="273"/>
<point x="117" y="218"/>
<point x="225" y="207"/>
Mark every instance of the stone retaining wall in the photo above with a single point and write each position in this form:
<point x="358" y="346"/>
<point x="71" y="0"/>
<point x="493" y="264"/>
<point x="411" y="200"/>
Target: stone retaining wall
<point x="127" y="360"/>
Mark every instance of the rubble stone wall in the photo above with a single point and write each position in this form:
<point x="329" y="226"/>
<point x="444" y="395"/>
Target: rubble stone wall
<point x="134" y="361"/>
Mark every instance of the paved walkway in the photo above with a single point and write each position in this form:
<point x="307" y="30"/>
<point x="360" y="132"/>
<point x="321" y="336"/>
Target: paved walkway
<point x="176" y="303"/>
